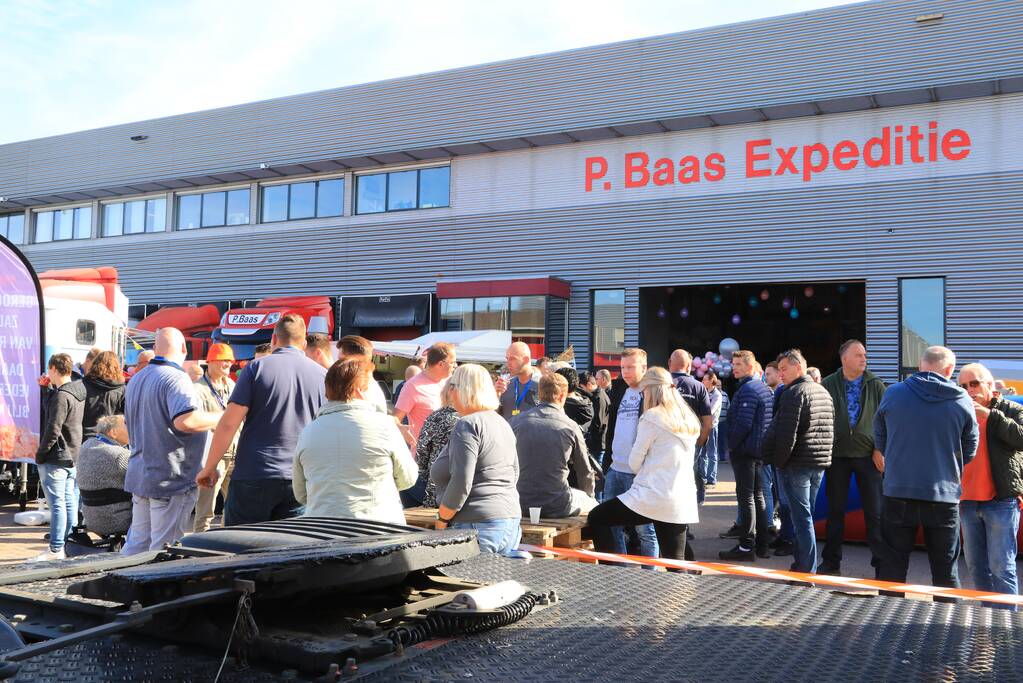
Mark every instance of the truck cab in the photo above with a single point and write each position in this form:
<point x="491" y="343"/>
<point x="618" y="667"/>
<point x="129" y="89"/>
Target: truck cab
<point x="246" y="328"/>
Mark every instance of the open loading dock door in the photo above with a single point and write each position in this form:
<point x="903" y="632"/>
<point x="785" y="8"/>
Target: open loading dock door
<point x="396" y="316"/>
<point x="765" y="318"/>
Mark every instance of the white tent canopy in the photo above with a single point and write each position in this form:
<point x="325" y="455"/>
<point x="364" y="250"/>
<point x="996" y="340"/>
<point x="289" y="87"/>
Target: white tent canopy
<point x="478" y="346"/>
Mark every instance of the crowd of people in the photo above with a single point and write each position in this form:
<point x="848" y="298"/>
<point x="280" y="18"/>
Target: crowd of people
<point x="306" y="430"/>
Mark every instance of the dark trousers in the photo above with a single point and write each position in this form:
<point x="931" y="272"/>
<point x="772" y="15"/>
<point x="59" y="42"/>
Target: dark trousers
<point x="749" y="493"/>
<point x="836" y="486"/>
<point x="900" y="518"/>
<point x="671" y="538"/>
<point x="260" y="500"/>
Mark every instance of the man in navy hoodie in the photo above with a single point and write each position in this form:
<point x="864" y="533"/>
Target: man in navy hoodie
<point x="925" y="431"/>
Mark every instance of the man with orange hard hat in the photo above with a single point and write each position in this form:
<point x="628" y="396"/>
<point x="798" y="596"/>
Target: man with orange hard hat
<point x="213" y="391"/>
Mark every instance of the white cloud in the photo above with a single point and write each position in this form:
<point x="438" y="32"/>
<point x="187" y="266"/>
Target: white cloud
<point x="73" y="66"/>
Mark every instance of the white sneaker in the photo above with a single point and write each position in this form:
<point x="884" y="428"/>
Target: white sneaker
<point x="47" y="556"/>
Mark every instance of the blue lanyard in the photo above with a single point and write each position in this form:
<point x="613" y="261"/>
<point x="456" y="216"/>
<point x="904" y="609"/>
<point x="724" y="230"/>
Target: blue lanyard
<point x="213" y="391"/>
<point x="107" y="440"/>
<point x="525" y="390"/>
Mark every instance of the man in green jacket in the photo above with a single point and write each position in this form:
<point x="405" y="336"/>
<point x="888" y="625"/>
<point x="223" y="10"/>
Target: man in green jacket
<point x="856" y="393"/>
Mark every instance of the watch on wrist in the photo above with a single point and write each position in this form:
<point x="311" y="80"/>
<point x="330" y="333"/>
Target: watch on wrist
<point x="441" y="519"/>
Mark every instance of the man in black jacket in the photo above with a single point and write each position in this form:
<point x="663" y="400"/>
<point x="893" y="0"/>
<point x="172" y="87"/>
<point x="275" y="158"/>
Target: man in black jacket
<point x="58" y="450"/>
<point x="601" y="404"/>
<point x="799" y="444"/>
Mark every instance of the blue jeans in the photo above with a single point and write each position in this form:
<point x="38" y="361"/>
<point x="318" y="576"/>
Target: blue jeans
<point x="989" y="538"/>
<point x="498" y="536"/>
<point x="615" y="484"/>
<point x="61" y="487"/>
<point x="801" y="485"/>
<point x="260" y="500"/>
<point x="707" y="459"/>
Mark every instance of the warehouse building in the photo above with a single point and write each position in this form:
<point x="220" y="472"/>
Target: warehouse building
<point x="849" y="172"/>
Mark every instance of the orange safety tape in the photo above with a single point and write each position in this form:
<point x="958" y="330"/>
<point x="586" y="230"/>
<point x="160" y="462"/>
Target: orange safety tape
<point x="819" y="580"/>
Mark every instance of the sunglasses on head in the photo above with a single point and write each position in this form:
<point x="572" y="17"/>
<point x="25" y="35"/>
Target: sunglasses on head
<point x="972" y="384"/>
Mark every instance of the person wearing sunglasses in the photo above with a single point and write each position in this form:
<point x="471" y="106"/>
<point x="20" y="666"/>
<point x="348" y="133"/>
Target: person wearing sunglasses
<point x="926" y="431"/>
<point x="992" y="485"/>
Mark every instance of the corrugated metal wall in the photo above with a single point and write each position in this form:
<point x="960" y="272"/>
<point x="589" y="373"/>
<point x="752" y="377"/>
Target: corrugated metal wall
<point x="961" y="227"/>
<point x="842" y="52"/>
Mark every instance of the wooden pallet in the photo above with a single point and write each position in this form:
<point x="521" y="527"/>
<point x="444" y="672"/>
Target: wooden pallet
<point x="566" y="532"/>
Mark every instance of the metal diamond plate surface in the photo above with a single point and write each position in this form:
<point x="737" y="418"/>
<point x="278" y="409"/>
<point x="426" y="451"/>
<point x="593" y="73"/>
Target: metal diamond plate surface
<point x="629" y="624"/>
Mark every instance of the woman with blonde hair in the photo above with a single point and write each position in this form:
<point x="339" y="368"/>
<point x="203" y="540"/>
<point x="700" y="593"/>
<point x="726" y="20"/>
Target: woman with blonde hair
<point x="664" y="490"/>
<point x="477" y="472"/>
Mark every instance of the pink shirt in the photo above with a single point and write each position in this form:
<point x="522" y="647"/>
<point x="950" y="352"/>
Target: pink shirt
<point x="419" y="397"/>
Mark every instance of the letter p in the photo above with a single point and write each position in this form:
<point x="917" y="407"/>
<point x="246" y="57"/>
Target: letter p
<point x="596" y="168"/>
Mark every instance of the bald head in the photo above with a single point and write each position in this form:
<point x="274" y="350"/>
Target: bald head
<point x="680" y="361"/>
<point x="517" y="357"/>
<point x="170" y="344"/>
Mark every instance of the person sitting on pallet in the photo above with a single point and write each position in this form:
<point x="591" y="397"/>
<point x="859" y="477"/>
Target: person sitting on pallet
<point x="548" y="443"/>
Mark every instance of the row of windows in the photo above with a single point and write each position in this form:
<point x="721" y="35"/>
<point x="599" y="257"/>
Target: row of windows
<point x="130" y="218"/>
<point x="375" y="193"/>
<point x="64" y="224"/>
<point x="426" y="188"/>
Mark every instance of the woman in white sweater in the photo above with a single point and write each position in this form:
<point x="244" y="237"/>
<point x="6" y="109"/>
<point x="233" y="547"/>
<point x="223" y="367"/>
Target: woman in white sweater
<point x="664" y="491"/>
<point x="351" y="461"/>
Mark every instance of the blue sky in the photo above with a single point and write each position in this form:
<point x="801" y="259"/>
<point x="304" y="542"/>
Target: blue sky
<point x="71" y="65"/>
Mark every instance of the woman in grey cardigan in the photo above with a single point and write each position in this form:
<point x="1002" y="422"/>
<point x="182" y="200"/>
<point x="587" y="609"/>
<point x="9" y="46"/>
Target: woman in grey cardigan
<point x="477" y="472"/>
<point x="102" y="464"/>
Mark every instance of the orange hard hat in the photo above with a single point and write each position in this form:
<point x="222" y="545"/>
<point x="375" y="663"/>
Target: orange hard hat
<point x="219" y="352"/>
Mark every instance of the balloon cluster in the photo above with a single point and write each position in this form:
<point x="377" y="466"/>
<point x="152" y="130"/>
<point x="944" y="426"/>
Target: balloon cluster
<point x="720" y="362"/>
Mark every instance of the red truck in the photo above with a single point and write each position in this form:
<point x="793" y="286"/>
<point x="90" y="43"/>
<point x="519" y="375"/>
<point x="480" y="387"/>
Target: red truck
<point x="246" y="328"/>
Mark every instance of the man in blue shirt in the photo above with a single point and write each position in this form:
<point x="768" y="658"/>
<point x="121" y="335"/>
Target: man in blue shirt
<point x="168" y="438"/>
<point x="276" y="397"/>
<point x="856" y="393"/>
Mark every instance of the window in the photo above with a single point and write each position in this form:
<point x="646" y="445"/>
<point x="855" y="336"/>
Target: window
<point x="372" y="193"/>
<point x="491" y="313"/>
<point x="64" y="224"/>
<point x="455" y="315"/>
<point x="402" y="190"/>
<point x="85" y="332"/>
<point x="13" y="227"/>
<point x="528" y="319"/>
<point x="213" y="209"/>
<point x="921" y="319"/>
<point x="434" y="184"/>
<point x="293" y="201"/>
<point x="130" y="218"/>
<point x="608" y="327"/>
<point x="425" y="188"/>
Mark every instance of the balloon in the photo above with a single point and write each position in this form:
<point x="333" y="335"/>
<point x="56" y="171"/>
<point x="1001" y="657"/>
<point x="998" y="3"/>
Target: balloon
<point x="718" y="368"/>
<point x="753" y="302"/>
<point x="786" y="303"/>
<point x="765" y="295"/>
<point x="717" y="298"/>
<point x="794" y="313"/>
<point x="727" y="347"/>
<point x="669" y="290"/>
<point x="842" y="289"/>
<point x="661" y="312"/>
<point x="684" y="313"/>
<point x="827" y="310"/>
<point x="736" y="319"/>
<point x="808" y="292"/>
<point x="701" y="373"/>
